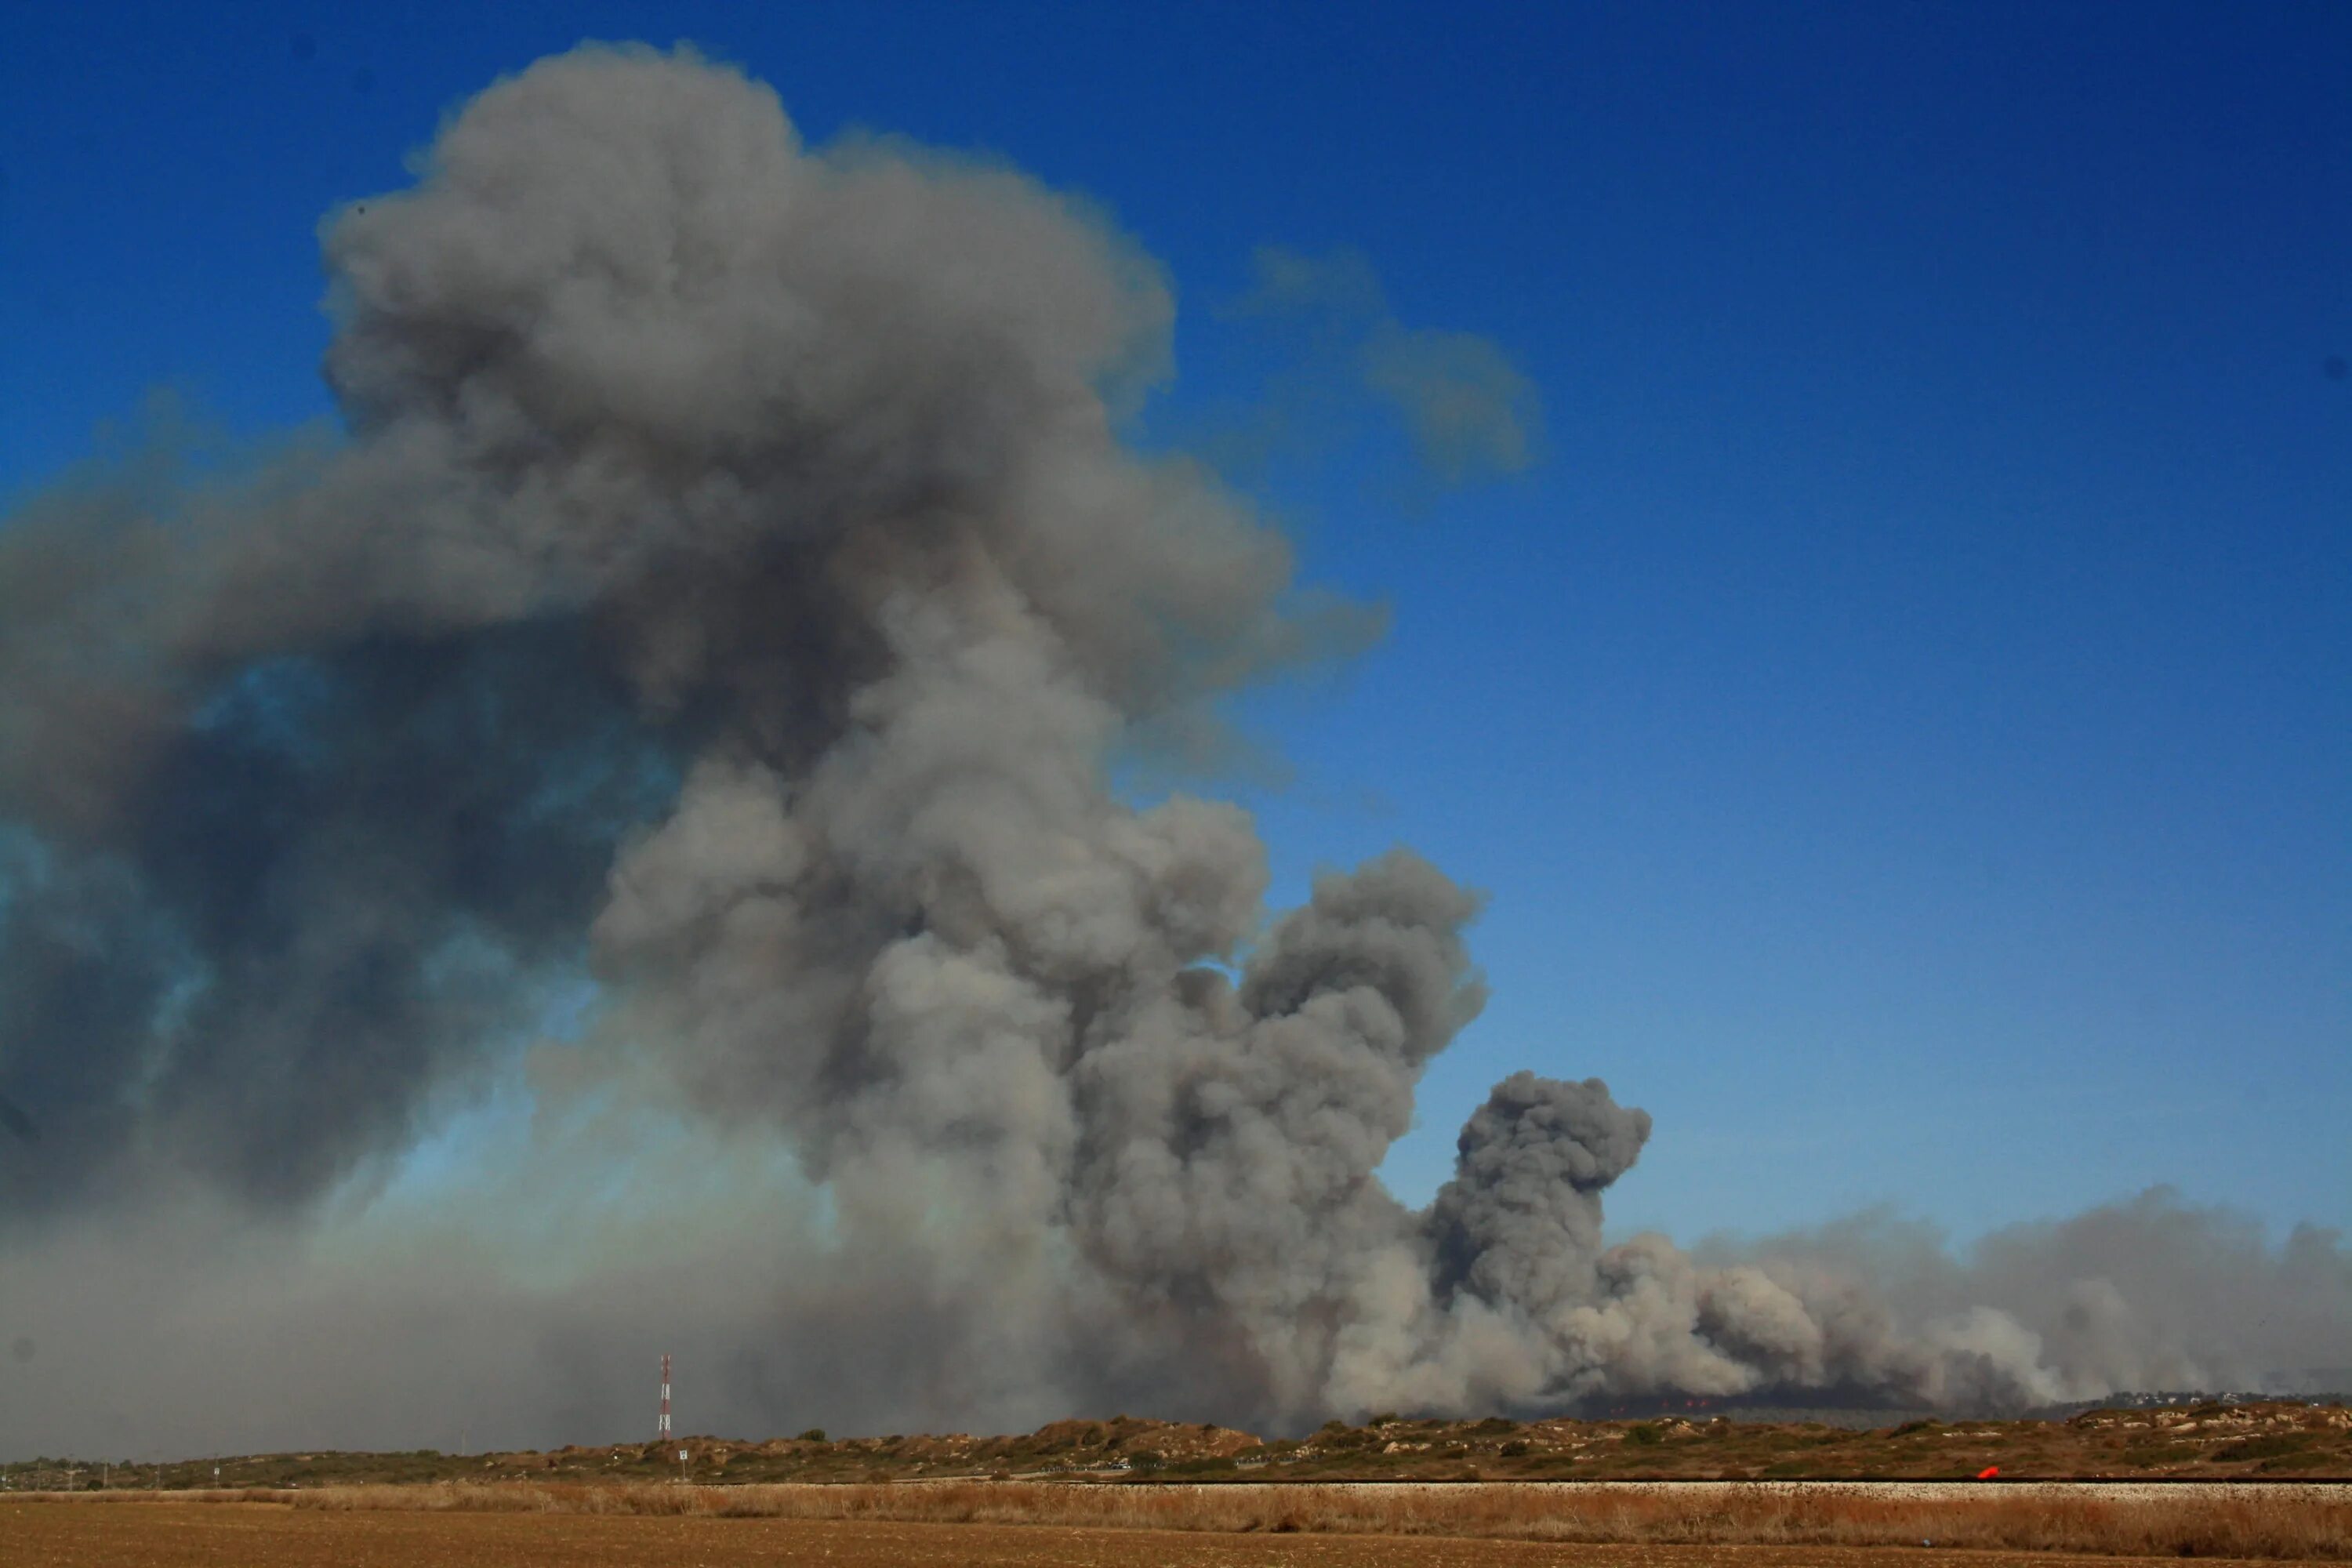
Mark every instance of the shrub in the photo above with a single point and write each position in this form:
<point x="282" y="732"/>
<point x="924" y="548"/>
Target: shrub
<point x="2269" y="1448"/>
<point x="813" y="1434"/>
<point x="2303" y="1461"/>
<point x="2142" y="1455"/>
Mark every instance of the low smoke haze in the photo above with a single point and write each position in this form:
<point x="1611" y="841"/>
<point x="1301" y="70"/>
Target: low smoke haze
<point x="670" y="729"/>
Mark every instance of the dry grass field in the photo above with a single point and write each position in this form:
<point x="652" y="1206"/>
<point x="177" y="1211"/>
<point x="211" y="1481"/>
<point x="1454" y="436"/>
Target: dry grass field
<point x="1653" y="1527"/>
<point x="180" y="1534"/>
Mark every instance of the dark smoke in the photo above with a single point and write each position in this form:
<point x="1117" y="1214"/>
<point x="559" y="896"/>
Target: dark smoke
<point x="1521" y="1221"/>
<point x="733" y="587"/>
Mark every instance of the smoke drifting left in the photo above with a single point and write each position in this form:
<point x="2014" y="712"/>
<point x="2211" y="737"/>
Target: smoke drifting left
<point x="730" y="587"/>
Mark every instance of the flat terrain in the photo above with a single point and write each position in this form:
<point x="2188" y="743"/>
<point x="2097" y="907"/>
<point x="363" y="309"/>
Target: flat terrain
<point x="36" y="1535"/>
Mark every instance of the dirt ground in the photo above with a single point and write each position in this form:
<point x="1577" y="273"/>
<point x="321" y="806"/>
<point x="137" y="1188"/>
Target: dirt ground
<point x="263" y="1536"/>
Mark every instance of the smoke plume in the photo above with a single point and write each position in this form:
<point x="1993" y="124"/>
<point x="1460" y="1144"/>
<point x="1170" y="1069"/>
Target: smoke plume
<point x="731" y="588"/>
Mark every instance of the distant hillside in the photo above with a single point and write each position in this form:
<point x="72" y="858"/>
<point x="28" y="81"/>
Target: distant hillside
<point x="2213" y="1439"/>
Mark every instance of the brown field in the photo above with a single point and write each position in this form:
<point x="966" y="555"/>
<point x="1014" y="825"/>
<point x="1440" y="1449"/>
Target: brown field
<point x="179" y="1534"/>
<point x="1634" y="1527"/>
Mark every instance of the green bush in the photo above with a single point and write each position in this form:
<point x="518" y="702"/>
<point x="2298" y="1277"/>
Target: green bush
<point x="2143" y="1455"/>
<point x="2309" y="1460"/>
<point x="1646" y="1433"/>
<point x="2270" y="1447"/>
<point x="813" y="1434"/>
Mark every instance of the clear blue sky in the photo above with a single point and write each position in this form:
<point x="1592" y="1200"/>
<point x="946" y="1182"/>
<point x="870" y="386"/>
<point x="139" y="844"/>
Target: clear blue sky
<point x="1905" y="722"/>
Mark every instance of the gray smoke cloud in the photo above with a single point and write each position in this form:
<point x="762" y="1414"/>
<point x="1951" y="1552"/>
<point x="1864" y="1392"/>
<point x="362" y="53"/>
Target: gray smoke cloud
<point x="1466" y="411"/>
<point x="732" y="588"/>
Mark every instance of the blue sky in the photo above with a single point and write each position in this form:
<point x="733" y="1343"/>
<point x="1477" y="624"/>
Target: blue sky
<point x="1905" y="722"/>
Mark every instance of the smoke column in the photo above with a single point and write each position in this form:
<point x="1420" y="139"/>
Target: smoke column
<point x="731" y="579"/>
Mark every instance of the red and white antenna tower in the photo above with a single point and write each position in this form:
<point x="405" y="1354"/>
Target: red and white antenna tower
<point x="661" y="1434"/>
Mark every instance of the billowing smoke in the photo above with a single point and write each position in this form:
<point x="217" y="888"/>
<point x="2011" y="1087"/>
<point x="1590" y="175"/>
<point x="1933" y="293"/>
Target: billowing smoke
<point x="732" y="587"/>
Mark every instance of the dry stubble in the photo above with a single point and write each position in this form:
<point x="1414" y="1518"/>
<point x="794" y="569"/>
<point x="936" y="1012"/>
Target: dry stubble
<point x="268" y="1535"/>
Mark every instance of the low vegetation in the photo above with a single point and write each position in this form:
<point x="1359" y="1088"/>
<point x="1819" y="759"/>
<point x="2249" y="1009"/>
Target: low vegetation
<point x="2260" y="1441"/>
